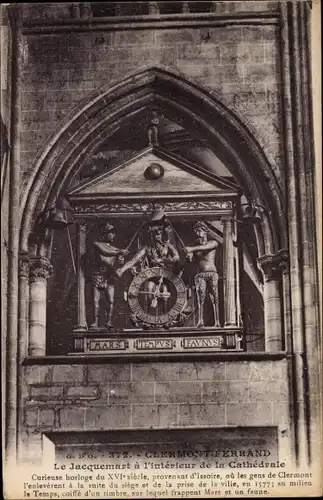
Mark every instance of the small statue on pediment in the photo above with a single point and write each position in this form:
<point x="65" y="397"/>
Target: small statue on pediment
<point x="153" y="130"/>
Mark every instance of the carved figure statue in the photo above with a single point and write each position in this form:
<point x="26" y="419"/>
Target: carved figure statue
<point x="206" y="280"/>
<point x="158" y="251"/>
<point x="107" y="258"/>
<point x="153" y="129"/>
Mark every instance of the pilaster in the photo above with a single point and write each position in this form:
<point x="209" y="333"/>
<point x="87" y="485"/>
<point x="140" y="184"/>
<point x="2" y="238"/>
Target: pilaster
<point x="81" y="248"/>
<point x="230" y="306"/>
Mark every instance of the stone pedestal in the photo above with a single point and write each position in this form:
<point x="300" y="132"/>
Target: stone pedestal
<point x="40" y="271"/>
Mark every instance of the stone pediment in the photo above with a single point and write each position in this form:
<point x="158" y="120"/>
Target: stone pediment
<point x="129" y="178"/>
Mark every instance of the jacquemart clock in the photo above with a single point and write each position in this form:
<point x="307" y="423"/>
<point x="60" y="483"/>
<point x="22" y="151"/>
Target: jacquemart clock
<point x="158" y="263"/>
<point x="157" y="296"/>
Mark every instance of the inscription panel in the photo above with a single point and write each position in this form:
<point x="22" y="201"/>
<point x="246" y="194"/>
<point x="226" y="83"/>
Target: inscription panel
<point x="145" y="450"/>
<point x="156" y="344"/>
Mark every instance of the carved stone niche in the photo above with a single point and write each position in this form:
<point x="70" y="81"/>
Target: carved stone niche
<point x="149" y="235"/>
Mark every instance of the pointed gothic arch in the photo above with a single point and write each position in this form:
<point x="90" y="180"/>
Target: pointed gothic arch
<point x="199" y="110"/>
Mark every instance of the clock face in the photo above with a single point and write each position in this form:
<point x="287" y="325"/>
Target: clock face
<point x="157" y="296"/>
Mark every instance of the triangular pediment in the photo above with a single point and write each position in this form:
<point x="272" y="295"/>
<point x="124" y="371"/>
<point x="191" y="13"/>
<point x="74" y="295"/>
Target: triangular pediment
<point x="128" y="178"/>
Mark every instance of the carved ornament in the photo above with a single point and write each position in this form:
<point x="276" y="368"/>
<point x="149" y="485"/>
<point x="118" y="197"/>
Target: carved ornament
<point x="40" y="268"/>
<point x="273" y="266"/>
<point x="284" y="260"/>
<point x="189" y="206"/>
<point x="23" y="267"/>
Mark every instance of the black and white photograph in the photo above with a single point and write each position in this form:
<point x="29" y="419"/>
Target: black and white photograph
<point x="161" y="249"/>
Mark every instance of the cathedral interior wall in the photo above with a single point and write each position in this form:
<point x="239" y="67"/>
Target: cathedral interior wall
<point x="241" y="62"/>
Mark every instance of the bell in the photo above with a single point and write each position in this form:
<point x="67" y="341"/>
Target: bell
<point x="249" y="213"/>
<point x="256" y="218"/>
<point x="56" y="220"/>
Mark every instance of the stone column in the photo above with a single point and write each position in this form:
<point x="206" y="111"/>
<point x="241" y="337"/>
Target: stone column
<point x="230" y="308"/>
<point x="270" y="266"/>
<point x="81" y="248"/>
<point x="284" y="265"/>
<point x="238" y="261"/>
<point x="23" y="306"/>
<point x="298" y="141"/>
<point x="40" y="271"/>
<point x="14" y="214"/>
<point x="22" y="347"/>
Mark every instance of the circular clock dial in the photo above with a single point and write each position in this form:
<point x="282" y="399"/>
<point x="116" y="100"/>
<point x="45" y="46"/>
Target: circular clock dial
<point x="156" y="296"/>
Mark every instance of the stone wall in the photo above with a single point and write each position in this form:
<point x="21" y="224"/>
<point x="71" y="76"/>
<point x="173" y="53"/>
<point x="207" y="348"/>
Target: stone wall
<point x="240" y="63"/>
<point x="152" y="395"/>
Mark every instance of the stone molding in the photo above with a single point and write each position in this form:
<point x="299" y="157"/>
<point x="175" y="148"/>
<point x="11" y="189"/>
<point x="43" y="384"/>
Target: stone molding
<point x="153" y="20"/>
<point x="189" y="206"/>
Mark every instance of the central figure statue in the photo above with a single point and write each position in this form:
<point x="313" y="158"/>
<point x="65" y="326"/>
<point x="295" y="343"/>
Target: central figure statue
<point x="158" y="251"/>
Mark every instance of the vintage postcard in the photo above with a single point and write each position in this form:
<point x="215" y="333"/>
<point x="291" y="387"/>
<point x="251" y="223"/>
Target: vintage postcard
<point x="161" y="249"/>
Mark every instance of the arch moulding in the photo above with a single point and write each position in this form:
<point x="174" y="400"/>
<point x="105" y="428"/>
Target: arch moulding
<point x="199" y="110"/>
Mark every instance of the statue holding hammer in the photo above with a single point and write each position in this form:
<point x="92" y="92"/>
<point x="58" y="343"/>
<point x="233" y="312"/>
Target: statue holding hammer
<point x="206" y="279"/>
